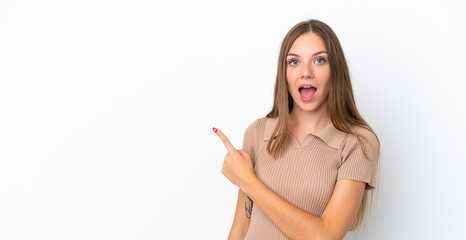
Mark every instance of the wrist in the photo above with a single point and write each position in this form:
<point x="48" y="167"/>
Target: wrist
<point x="250" y="184"/>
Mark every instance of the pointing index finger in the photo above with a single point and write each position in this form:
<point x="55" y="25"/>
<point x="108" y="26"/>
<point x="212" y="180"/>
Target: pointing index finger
<point x="225" y="141"/>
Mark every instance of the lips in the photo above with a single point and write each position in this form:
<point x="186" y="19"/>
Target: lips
<point x="305" y="84"/>
<point x="306" y="87"/>
<point x="307" y="92"/>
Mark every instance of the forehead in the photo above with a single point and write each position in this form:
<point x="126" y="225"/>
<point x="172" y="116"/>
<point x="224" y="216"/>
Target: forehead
<point x="307" y="44"/>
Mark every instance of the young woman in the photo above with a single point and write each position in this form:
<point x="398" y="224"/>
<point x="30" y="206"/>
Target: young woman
<point x="306" y="167"/>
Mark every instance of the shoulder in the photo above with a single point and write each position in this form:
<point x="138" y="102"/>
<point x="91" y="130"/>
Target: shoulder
<point x="258" y="128"/>
<point x="363" y="132"/>
<point x="253" y="135"/>
<point x="363" y="138"/>
<point x="257" y="125"/>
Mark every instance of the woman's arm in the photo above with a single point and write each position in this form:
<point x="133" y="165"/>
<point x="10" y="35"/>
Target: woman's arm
<point x="294" y="222"/>
<point x="242" y="219"/>
<point x="298" y="224"/>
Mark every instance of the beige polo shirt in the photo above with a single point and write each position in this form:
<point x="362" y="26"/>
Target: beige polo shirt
<point x="306" y="174"/>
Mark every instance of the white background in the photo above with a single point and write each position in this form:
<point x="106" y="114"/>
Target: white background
<point x="107" y="109"/>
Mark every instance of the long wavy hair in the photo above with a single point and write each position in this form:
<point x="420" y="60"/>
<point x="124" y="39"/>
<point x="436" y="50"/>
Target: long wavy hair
<point x="341" y="105"/>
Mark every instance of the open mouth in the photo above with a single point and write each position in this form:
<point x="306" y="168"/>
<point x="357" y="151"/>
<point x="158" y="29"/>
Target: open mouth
<point x="307" y="92"/>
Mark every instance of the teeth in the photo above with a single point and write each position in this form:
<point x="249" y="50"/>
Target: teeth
<point x="306" y="86"/>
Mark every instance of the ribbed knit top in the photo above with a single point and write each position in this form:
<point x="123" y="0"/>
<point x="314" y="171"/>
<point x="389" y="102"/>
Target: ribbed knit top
<point x="306" y="174"/>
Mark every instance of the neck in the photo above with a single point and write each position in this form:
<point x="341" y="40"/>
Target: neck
<point x="309" y="121"/>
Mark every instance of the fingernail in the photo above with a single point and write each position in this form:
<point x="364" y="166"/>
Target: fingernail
<point x="215" y="130"/>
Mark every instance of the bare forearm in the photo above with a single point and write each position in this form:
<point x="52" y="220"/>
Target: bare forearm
<point x="235" y="237"/>
<point x="294" y="222"/>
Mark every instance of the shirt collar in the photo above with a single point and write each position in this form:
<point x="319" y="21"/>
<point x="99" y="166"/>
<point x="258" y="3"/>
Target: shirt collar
<point x="329" y="134"/>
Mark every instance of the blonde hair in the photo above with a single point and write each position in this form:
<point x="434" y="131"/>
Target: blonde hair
<point x="341" y="105"/>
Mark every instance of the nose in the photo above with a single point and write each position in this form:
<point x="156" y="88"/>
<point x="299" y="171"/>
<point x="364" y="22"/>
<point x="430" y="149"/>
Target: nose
<point x="307" y="71"/>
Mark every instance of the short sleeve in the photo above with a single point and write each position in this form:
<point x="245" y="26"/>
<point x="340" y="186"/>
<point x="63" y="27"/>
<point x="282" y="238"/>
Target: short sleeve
<point x="249" y="141"/>
<point x="354" y="165"/>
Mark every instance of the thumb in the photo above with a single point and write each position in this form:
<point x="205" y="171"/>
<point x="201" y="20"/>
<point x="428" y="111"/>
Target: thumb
<point x="243" y="152"/>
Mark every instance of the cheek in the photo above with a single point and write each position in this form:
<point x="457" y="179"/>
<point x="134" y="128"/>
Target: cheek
<point x="326" y="87"/>
<point x="326" y="81"/>
<point x="290" y="76"/>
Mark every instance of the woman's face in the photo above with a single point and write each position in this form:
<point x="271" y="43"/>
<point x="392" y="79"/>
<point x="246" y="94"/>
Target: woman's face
<point x="307" y="65"/>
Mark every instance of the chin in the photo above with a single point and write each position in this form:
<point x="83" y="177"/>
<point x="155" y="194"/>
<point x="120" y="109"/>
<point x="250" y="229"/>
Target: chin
<point x="306" y="107"/>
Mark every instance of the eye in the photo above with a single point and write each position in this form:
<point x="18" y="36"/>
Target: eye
<point x="321" y="60"/>
<point x="292" y="61"/>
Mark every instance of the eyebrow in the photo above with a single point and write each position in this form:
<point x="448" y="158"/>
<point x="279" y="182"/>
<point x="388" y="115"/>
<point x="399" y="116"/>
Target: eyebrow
<point x="294" y="54"/>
